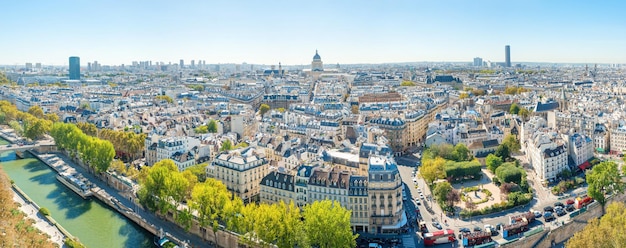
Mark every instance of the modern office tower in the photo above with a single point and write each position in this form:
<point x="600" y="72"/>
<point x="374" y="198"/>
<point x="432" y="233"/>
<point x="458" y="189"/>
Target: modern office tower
<point x="507" y="56"/>
<point x="193" y="63"/>
<point x="182" y="64"/>
<point x="74" y="68"/>
<point x="29" y="66"/>
<point x="478" y="62"/>
<point x="38" y="66"/>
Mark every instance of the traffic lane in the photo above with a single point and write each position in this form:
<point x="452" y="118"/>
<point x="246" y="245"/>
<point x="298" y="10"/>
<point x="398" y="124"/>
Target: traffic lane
<point x="412" y="193"/>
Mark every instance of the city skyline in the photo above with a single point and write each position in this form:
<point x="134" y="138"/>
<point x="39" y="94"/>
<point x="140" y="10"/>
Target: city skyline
<point x="345" y="32"/>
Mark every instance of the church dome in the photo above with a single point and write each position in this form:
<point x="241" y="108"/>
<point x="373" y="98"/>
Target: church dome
<point x="317" y="56"/>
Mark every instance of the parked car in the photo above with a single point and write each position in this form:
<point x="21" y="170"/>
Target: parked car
<point x="548" y="216"/>
<point x="537" y="214"/>
<point x="559" y="204"/>
<point x="548" y="209"/>
<point x="569" y="202"/>
<point x="560" y="212"/>
<point x="437" y="225"/>
<point x="417" y="202"/>
<point x="477" y="229"/>
<point x="421" y="196"/>
<point x="465" y="230"/>
<point x="570" y="208"/>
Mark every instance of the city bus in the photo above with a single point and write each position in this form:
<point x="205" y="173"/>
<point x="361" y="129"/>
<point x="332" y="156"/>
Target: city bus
<point x="439" y="237"/>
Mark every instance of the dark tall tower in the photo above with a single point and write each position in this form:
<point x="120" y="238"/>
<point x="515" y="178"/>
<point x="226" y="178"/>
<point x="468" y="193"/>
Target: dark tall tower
<point x="507" y="56"/>
<point x="74" y="68"/>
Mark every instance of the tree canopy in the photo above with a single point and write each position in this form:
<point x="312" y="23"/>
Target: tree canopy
<point x="493" y="162"/>
<point x="323" y="216"/>
<point x="263" y="109"/>
<point x="512" y="143"/>
<point x="432" y="169"/>
<point x="603" y="180"/>
<point x="212" y="126"/>
<point x="514" y="109"/>
<point x="609" y="231"/>
<point x="96" y="153"/>
<point x="320" y="224"/>
<point x="509" y="173"/>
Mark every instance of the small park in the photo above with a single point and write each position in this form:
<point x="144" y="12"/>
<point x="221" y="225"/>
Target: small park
<point x="462" y="184"/>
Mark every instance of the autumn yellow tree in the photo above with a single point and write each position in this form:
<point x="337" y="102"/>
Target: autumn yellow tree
<point x="607" y="232"/>
<point x="432" y="169"/>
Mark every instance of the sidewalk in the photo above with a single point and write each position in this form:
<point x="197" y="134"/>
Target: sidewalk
<point x="40" y="222"/>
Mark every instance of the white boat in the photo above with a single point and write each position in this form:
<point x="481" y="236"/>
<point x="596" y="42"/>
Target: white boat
<point x="73" y="182"/>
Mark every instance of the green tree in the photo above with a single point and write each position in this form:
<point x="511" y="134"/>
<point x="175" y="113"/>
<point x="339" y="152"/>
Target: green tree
<point x="153" y="191"/>
<point x="509" y="173"/>
<point x="608" y="231"/>
<point x="524" y="113"/>
<point x="463" y="95"/>
<point x="327" y="224"/>
<point x="514" y="109"/>
<point x="52" y="117"/>
<point x="407" y="83"/>
<point x="88" y="128"/>
<point x="263" y="109"/>
<point x="208" y="199"/>
<point x="461" y="153"/>
<point x="201" y="129"/>
<point x="199" y="171"/>
<point x="227" y="145"/>
<point x="432" y="169"/>
<point x="604" y="179"/>
<point x="168" y="99"/>
<point x="512" y="143"/>
<point x="440" y="192"/>
<point x="503" y="151"/>
<point x="36" y="111"/>
<point x="493" y="162"/>
<point x="212" y="126"/>
<point x="19" y="130"/>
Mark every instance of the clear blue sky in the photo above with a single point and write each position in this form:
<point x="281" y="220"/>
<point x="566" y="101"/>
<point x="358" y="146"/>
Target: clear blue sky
<point x="116" y="32"/>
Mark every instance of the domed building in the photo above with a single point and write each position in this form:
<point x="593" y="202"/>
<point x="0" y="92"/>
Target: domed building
<point x="317" y="64"/>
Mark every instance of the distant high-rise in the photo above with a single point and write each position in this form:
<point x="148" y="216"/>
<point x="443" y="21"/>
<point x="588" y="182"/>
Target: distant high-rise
<point x="507" y="56"/>
<point x="478" y="62"/>
<point x="182" y="63"/>
<point x="74" y="68"/>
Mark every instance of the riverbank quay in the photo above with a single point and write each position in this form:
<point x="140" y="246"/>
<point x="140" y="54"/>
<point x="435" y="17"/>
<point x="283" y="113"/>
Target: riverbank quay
<point x="46" y="224"/>
<point x="122" y="200"/>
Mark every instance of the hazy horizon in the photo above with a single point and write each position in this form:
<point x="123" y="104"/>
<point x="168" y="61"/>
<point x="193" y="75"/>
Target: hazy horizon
<point x="344" y="32"/>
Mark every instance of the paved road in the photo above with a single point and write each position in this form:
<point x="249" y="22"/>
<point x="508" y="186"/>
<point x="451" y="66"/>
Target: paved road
<point x="171" y="228"/>
<point x="543" y="198"/>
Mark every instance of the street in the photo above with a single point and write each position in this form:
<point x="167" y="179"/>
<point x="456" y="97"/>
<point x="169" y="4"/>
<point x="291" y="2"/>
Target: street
<point x="542" y="198"/>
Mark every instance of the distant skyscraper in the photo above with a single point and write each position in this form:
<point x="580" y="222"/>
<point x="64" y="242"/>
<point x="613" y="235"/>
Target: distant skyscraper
<point x="193" y="63"/>
<point x="182" y="63"/>
<point x="478" y="62"/>
<point x="507" y="56"/>
<point x="74" y="68"/>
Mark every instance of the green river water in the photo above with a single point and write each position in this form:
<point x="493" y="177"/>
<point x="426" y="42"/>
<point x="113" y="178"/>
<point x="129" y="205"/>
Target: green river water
<point x="95" y="224"/>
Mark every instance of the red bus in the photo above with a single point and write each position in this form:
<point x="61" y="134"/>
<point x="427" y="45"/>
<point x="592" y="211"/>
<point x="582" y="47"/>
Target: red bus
<point x="583" y="201"/>
<point x="439" y="237"/>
